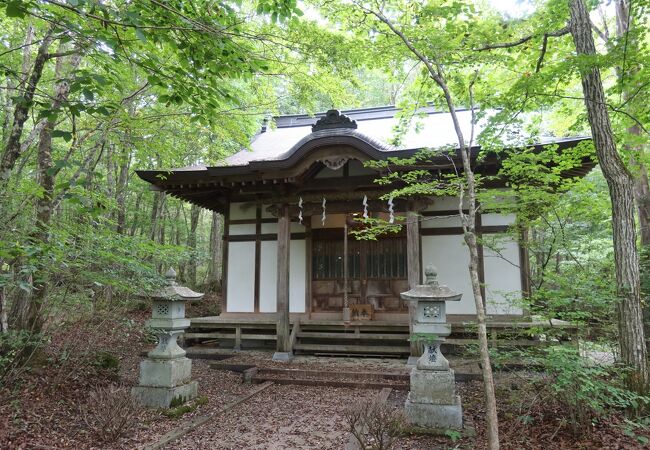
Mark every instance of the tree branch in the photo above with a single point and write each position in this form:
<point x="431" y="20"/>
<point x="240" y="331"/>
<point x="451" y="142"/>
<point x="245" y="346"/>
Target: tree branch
<point x="523" y="40"/>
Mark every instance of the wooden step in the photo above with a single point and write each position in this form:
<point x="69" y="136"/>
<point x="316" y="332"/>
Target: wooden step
<point x="365" y="349"/>
<point x="331" y="383"/>
<point x="244" y="336"/>
<point x="403" y="376"/>
<point x="348" y="335"/>
<point x="505" y="342"/>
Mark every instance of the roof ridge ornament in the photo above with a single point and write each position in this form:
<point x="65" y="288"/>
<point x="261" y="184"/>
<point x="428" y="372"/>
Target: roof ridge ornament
<point x="333" y="119"/>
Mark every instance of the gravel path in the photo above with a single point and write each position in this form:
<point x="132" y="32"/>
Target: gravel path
<point x="280" y="417"/>
<point x="220" y="388"/>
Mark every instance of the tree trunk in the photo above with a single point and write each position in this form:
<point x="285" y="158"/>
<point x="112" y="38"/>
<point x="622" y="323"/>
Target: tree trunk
<point x="469" y="227"/>
<point x="216" y="249"/>
<point x="195" y="215"/>
<point x="621" y="189"/>
<point x="156" y="207"/>
<point x="641" y="185"/>
<point x="21" y="111"/>
<point x="4" y="323"/>
<point x="136" y="215"/>
<point x="176" y="237"/>
<point x="12" y="85"/>
<point x="124" y="165"/>
<point x="45" y="203"/>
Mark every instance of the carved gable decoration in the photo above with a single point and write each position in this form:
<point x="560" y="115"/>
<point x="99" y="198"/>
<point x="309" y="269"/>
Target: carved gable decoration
<point x="334" y="119"/>
<point x="335" y="163"/>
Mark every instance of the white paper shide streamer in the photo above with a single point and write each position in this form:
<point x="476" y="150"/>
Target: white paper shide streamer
<point x="391" y="217"/>
<point x="324" y="216"/>
<point x="300" y="210"/>
<point x="365" y="206"/>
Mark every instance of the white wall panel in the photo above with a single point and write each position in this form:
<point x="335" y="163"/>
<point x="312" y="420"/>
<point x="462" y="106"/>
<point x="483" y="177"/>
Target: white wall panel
<point x="242" y="228"/>
<point x="241" y="277"/>
<point x="498" y="219"/>
<point x="270" y="228"/>
<point x="502" y="278"/>
<point x="450" y="255"/>
<point x="239" y="211"/>
<point x="440" y="221"/>
<point x="444" y="203"/>
<point x="265" y="213"/>
<point x="269" y="273"/>
<point x="297" y="261"/>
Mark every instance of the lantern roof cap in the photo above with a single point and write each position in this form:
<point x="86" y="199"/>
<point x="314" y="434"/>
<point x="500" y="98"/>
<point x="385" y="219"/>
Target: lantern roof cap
<point x="432" y="290"/>
<point x="173" y="292"/>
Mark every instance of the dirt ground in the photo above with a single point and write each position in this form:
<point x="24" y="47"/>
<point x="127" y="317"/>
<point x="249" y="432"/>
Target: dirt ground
<point x="40" y="408"/>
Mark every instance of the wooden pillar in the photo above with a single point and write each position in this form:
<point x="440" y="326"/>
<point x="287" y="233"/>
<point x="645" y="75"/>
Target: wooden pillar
<point x="284" y="241"/>
<point x="413" y="264"/>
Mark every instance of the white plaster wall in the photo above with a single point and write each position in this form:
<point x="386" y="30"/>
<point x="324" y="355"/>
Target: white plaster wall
<point x="270" y="228"/>
<point x="241" y="277"/>
<point x="296" y="227"/>
<point x="502" y="277"/>
<point x="498" y="219"/>
<point x="269" y="273"/>
<point x="444" y="203"/>
<point x="297" y="282"/>
<point x="440" y="221"/>
<point x="265" y="213"/>
<point x="239" y="211"/>
<point x="450" y="255"/>
<point x="242" y="228"/>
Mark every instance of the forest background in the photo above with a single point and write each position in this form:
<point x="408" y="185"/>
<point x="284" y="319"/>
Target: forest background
<point x="91" y="91"/>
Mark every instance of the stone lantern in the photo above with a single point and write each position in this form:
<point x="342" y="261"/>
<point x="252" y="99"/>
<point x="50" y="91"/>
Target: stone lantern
<point x="165" y="375"/>
<point x="432" y="401"/>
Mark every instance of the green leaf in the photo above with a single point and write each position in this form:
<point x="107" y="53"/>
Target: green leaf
<point x="140" y="35"/>
<point x="14" y="9"/>
<point x="66" y="135"/>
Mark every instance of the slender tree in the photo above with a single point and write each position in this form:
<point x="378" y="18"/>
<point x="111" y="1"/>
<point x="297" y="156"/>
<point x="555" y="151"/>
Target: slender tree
<point x="467" y="184"/>
<point x="621" y="190"/>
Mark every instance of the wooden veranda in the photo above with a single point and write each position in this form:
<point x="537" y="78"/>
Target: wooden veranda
<point x="367" y="338"/>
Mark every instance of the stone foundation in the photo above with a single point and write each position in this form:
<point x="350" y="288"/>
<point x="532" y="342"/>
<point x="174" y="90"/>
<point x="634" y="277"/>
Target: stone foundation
<point x="429" y="415"/>
<point x="433" y="387"/>
<point x="165" y="373"/>
<point x="162" y="397"/>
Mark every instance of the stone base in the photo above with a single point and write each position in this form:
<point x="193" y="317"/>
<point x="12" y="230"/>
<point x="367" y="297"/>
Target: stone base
<point x="165" y="373"/>
<point x="282" y="356"/>
<point x="162" y="397"/>
<point x="427" y="415"/>
<point x="437" y="387"/>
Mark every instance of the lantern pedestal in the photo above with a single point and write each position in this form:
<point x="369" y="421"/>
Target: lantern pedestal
<point x="165" y="376"/>
<point x="162" y="397"/>
<point x="435" y="416"/>
<point x="432" y="401"/>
